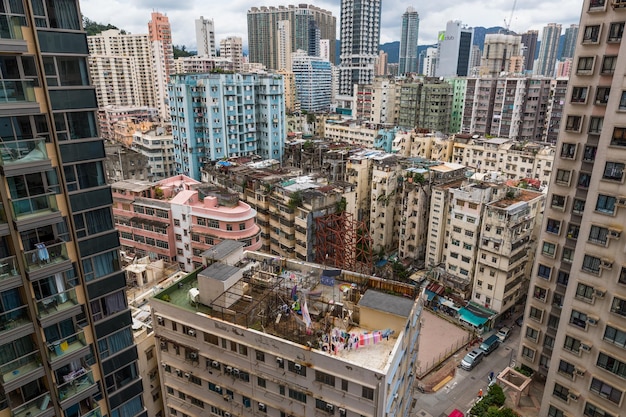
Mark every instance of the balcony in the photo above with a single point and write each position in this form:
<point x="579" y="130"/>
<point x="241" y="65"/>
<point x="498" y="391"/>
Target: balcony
<point x="20" y="367"/>
<point x="92" y="413"/>
<point x="32" y="207"/>
<point x="75" y="383"/>
<point x="14" y="319"/>
<point x="39" y="406"/>
<point x="24" y="151"/>
<point x="17" y="91"/>
<point x="8" y="268"/>
<point x="56" y="303"/>
<point x="45" y="255"/>
<point x="66" y="346"/>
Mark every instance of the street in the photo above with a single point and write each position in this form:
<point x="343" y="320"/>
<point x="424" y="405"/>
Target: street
<point x="462" y="391"/>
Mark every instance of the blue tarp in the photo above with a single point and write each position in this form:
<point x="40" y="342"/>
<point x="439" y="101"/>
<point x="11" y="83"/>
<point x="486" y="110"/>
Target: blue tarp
<point x="430" y="295"/>
<point x="472" y="318"/>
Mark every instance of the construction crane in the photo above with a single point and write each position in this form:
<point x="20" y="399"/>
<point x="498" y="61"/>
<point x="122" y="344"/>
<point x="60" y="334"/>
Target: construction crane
<point x="507" y="24"/>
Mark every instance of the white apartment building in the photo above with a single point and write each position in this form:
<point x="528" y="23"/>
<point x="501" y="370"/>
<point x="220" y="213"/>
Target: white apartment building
<point x="228" y="344"/>
<point x="158" y="146"/>
<point x="205" y="37"/>
<point x="386" y="170"/>
<point x="231" y="48"/>
<point x="198" y="64"/>
<point x="123" y="68"/>
<point x="350" y="132"/>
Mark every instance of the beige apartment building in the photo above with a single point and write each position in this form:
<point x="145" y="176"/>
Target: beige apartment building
<point x="574" y="333"/>
<point x="231" y="343"/>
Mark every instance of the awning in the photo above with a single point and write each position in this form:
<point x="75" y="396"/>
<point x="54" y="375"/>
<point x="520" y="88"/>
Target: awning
<point x="471" y="318"/>
<point x="430" y="295"/>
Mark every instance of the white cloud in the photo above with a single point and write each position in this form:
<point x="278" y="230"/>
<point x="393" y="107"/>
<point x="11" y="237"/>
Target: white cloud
<point x="230" y="15"/>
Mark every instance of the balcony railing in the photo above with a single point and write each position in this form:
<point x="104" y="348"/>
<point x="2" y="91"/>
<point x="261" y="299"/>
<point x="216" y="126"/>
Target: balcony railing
<point x="70" y="344"/>
<point x="93" y="413"/>
<point x="56" y="303"/>
<point x="15" y="91"/>
<point x="8" y="268"/>
<point x="34" y="407"/>
<point x="75" y="382"/>
<point x="45" y="255"/>
<point x="30" y="207"/>
<point x="20" y="366"/>
<point x="14" y="319"/>
<point x="22" y="151"/>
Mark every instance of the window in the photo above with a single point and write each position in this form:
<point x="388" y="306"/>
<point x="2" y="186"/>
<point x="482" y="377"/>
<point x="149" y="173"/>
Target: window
<point x="592" y="410"/>
<point x="618" y="306"/>
<point x="260" y="355"/>
<point x="572" y="344"/>
<point x="584" y="292"/>
<point x="584" y="179"/>
<point x="613" y="171"/>
<point x="602" y="95"/>
<point x="591" y="264"/>
<point x="598" y="235"/>
<point x="579" y="95"/>
<point x="297" y="395"/>
<point x="578" y="319"/>
<point x="585" y="65"/>
<point x="325" y="378"/>
<point x="558" y="202"/>
<point x="572" y="231"/>
<point x="215" y="224"/>
<point x="553" y="322"/>
<point x="616" y="30"/>
<point x="605" y="204"/>
<point x="563" y="177"/>
<point x="568" y="255"/>
<point x="562" y="278"/>
<point x="532" y="334"/>
<point x="611" y="364"/>
<point x="615" y="336"/>
<point x="544" y="271"/>
<point x="261" y="382"/>
<point x="568" y="151"/>
<point x="608" y="64"/>
<point x="553" y="411"/>
<point x="591" y="34"/>
<point x="540" y="293"/>
<point x="619" y="136"/>
<point x="536" y="314"/>
<point x="573" y="123"/>
<point x="566" y="368"/>
<point x="622" y="101"/>
<point x="367" y="393"/>
<point x="560" y="391"/>
<point x="528" y="353"/>
<point x="211" y="338"/>
<point x="548" y="249"/>
<point x="595" y="127"/>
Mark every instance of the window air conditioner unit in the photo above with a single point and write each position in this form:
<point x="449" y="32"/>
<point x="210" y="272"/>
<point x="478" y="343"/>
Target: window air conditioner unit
<point x="178" y="372"/>
<point x="226" y="397"/>
<point x="160" y="320"/>
<point x="229" y="369"/>
<point x="187" y="375"/>
<point x="215" y="364"/>
<point x="218" y="388"/>
<point x="593" y="320"/>
<point x="226" y="414"/>
<point x="620" y="201"/>
<point x="280" y="362"/>
<point x="163" y="345"/>
<point x="193" y="355"/>
<point x="607" y="263"/>
<point x="579" y="372"/>
<point x="599" y="292"/>
<point x="615" y="233"/>
<point x="330" y="408"/>
<point x="297" y="367"/>
<point x="573" y="395"/>
<point x="235" y="372"/>
<point x="262" y="407"/>
<point x="585" y="346"/>
<point x="342" y="412"/>
<point x="191" y="332"/>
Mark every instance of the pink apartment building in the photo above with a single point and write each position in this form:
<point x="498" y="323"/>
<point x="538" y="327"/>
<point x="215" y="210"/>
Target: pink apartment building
<point x="179" y="218"/>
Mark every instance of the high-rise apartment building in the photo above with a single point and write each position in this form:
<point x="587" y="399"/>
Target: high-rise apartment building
<point x="529" y="42"/>
<point x="263" y="24"/>
<point x="159" y="29"/>
<point x="498" y="52"/>
<point x="548" y="49"/>
<point x="573" y="332"/>
<point x="216" y="116"/>
<point x="313" y="79"/>
<point x="455" y="49"/>
<point x="360" y="39"/>
<point x="283" y="44"/>
<point x="381" y="63"/>
<point x="231" y="48"/>
<point x="569" y="42"/>
<point x="205" y="37"/>
<point x="408" y="41"/>
<point x="65" y="326"/>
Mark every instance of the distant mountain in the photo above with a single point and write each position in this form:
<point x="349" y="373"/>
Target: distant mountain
<point x="480" y="32"/>
<point x="393" y="51"/>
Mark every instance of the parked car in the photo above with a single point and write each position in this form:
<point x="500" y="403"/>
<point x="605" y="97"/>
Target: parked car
<point x="472" y="359"/>
<point x="490" y="344"/>
<point x="519" y="321"/>
<point x="504" y="333"/>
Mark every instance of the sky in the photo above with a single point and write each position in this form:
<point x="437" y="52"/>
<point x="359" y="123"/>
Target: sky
<point x="230" y="15"/>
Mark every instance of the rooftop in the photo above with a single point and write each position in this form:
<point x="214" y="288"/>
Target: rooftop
<point x="520" y="196"/>
<point x="275" y="294"/>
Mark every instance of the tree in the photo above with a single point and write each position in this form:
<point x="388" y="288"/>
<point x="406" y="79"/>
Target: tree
<point x="181" y="51"/>
<point x="94" y="28"/>
<point x="295" y="200"/>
